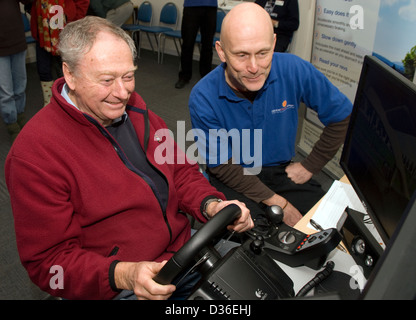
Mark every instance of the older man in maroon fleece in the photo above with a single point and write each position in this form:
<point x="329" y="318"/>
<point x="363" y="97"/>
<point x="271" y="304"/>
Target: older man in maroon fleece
<point x="87" y="193"/>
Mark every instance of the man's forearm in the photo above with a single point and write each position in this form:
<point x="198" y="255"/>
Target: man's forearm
<point x="326" y="147"/>
<point x="250" y="186"/>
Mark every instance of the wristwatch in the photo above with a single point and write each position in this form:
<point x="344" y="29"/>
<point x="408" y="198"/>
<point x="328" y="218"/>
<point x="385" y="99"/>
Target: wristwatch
<point x="204" y="211"/>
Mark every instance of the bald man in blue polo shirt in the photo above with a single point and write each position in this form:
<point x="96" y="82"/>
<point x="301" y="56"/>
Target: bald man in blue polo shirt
<point x="245" y="115"/>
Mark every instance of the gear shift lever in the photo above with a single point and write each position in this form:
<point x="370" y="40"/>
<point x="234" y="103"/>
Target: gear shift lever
<point x="275" y="215"/>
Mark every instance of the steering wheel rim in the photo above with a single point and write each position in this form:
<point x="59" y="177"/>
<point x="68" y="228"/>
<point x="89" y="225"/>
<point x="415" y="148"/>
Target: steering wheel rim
<point x="184" y="256"/>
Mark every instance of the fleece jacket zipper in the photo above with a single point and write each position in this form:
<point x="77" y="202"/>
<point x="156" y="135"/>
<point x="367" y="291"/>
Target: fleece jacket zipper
<point x="128" y="164"/>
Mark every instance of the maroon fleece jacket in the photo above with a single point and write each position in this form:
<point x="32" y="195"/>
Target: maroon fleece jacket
<point x="77" y="205"/>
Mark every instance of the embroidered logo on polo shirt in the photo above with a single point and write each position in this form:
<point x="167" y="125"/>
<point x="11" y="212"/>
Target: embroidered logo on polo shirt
<point x="285" y="106"/>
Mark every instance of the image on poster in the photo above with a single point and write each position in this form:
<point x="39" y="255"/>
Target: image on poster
<point x="396" y="34"/>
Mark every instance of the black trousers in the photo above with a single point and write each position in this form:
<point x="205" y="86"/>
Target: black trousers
<point x="203" y="19"/>
<point x="49" y="66"/>
<point x="282" y="42"/>
<point x="302" y="196"/>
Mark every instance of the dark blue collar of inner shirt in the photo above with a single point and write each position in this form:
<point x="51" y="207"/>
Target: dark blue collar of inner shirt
<point x="119" y="121"/>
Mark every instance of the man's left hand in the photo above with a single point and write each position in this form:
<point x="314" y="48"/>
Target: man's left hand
<point x="297" y="173"/>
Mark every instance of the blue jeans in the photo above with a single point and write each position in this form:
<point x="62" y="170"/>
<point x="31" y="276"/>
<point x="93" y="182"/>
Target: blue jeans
<point x="12" y="86"/>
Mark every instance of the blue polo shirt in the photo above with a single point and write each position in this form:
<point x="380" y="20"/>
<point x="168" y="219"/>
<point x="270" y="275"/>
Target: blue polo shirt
<point x="262" y="132"/>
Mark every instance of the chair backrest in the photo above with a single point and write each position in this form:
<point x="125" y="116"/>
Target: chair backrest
<point x="26" y="22"/>
<point x="169" y="14"/>
<point x="144" y="13"/>
<point x="220" y="16"/>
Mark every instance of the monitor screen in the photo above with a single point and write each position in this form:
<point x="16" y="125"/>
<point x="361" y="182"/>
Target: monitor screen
<point x="379" y="154"/>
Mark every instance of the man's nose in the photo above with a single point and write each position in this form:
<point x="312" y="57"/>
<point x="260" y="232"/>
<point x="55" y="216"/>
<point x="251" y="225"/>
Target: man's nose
<point x="120" y="89"/>
<point x="252" y="65"/>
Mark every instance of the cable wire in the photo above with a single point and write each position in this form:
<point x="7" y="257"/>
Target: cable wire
<point x="319" y="277"/>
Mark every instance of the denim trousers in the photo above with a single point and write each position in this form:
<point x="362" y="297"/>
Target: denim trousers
<point x="12" y="86"/>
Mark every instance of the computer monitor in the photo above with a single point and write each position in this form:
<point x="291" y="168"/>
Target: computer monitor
<point x="379" y="154"/>
<point x="394" y="276"/>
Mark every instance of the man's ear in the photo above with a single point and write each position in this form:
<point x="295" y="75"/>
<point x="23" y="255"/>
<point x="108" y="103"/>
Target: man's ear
<point x="220" y="51"/>
<point x="68" y="75"/>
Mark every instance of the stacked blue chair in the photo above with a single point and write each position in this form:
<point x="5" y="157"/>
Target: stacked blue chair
<point x="144" y="18"/>
<point x="168" y="22"/>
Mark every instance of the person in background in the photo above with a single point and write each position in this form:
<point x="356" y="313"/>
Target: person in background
<point x="12" y="67"/>
<point x="88" y="191"/>
<point x="46" y="23"/>
<point x="256" y="93"/>
<point x="285" y="19"/>
<point x="117" y="11"/>
<point x="198" y="15"/>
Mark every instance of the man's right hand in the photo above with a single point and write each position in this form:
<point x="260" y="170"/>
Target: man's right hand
<point x="138" y="277"/>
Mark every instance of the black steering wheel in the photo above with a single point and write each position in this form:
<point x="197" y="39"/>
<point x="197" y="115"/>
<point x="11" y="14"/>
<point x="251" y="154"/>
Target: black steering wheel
<point x="184" y="256"/>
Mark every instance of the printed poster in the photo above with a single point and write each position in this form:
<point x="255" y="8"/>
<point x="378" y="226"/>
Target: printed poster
<point x="344" y="33"/>
<point x="347" y="30"/>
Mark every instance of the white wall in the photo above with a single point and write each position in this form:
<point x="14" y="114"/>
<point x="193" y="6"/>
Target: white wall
<point x="302" y="39"/>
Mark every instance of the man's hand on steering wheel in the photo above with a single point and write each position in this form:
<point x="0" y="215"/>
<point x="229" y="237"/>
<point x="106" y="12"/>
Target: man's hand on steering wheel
<point x="242" y="224"/>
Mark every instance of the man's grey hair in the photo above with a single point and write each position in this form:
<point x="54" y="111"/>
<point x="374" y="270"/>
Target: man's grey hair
<point x="78" y="37"/>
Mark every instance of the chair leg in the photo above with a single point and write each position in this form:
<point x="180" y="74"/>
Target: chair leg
<point x="158" y="48"/>
<point x="136" y="42"/>
<point x="176" y="46"/>
<point x="140" y="43"/>
<point x="151" y="44"/>
<point x="162" y="44"/>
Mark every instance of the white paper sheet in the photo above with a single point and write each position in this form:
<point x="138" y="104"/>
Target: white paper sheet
<point x="338" y="197"/>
